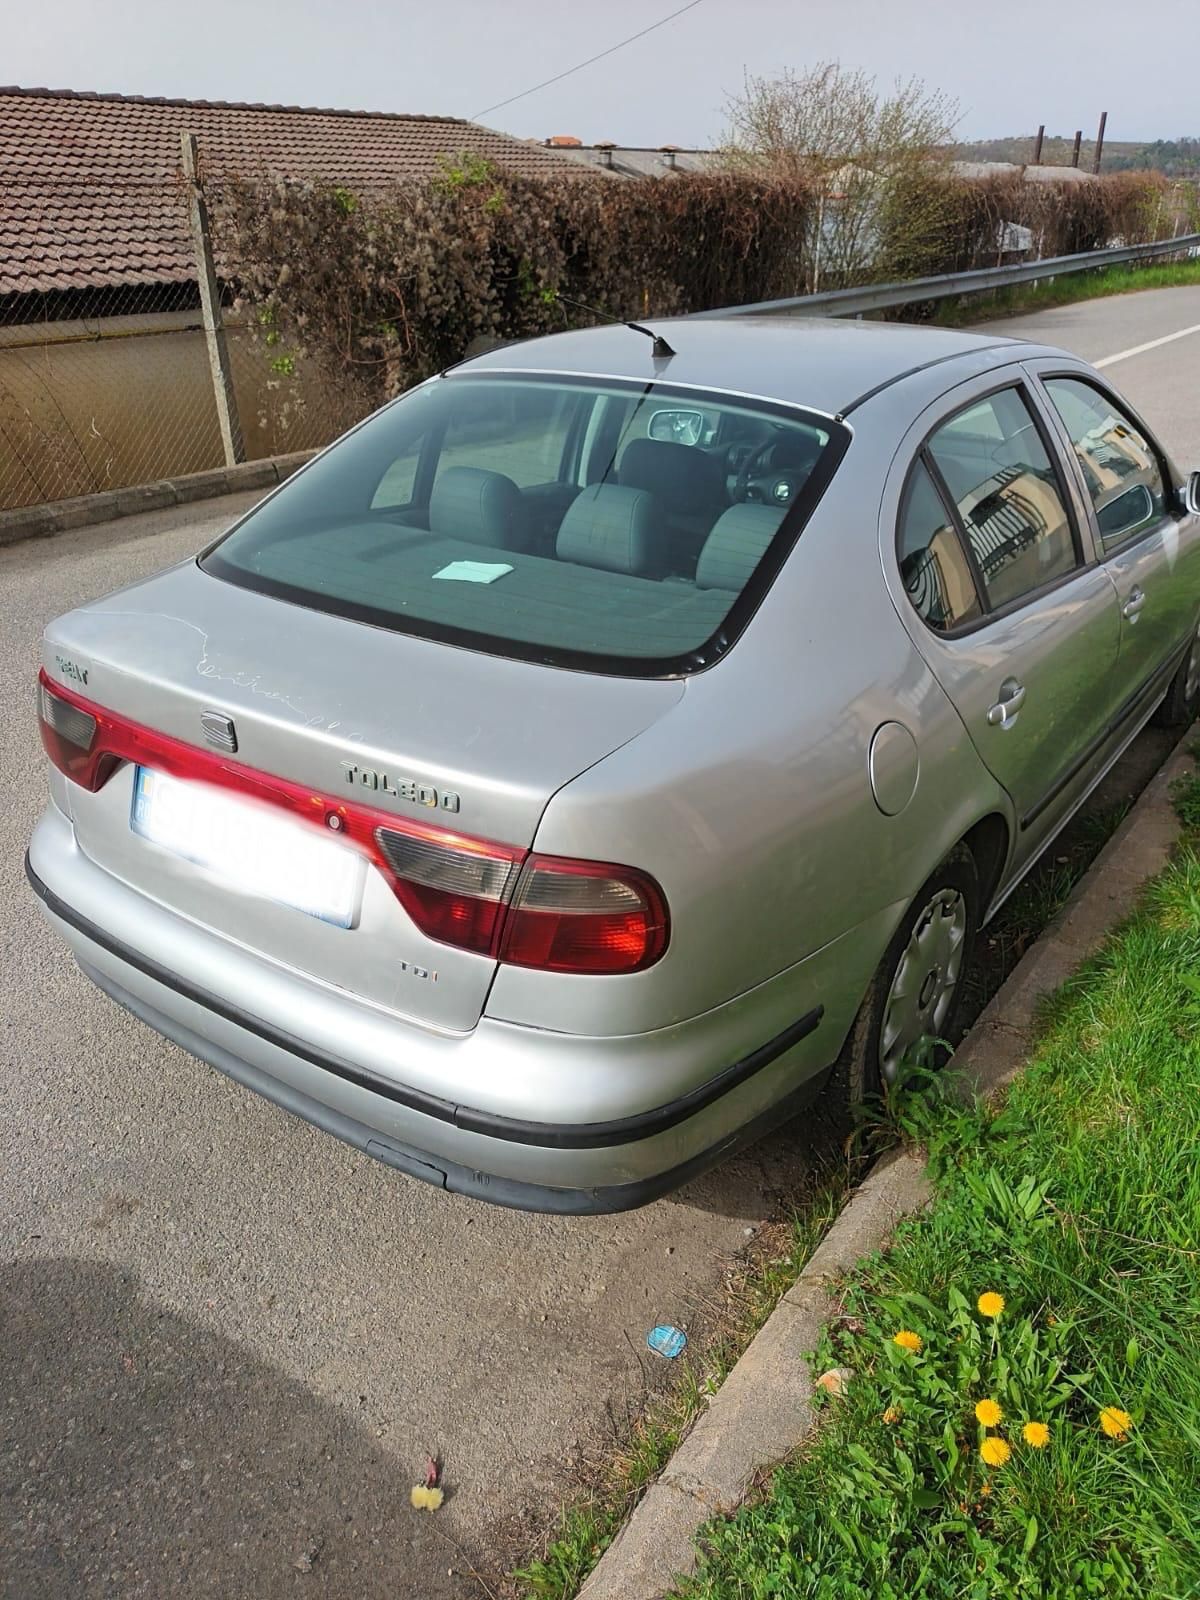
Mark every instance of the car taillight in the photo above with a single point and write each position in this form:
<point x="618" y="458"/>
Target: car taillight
<point x="539" y="911"/>
<point x="455" y="889"/>
<point x="553" y="914"/>
<point x="584" y="916"/>
<point x="68" y="732"/>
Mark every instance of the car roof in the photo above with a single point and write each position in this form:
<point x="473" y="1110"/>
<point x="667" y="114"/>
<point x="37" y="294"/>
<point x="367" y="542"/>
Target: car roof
<point x="824" y="363"/>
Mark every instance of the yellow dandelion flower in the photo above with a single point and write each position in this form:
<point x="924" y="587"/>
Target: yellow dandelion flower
<point x="907" y="1340"/>
<point x="990" y="1305"/>
<point x="1037" y="1434"/>
<point x="425" y="1498"/>
<point x="892" y="1414"/>
<point x="986" y="1488"/>
<point x="1115" y="1422"/>
<point x="989" y="1413"/>
<point x="994" y="1451"/>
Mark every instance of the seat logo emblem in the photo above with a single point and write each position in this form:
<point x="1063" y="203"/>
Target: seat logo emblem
<point x="219" y="731"/>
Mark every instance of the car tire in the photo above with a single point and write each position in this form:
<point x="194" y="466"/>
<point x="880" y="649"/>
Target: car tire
<point x="869" y="1058"/>
<point x="1181" y="703"/>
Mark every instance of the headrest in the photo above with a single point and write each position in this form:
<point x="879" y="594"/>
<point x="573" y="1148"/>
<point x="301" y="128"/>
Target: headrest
<point x="614" y="528"/>
<point x="480" y="507"/>
<point x="736" y="545"/>
<point x="685" y="479"/>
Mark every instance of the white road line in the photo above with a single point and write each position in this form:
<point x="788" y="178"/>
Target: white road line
<point x="1153" y="344"/>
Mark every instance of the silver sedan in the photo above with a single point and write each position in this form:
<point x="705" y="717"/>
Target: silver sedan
<point x="558" y="780"/>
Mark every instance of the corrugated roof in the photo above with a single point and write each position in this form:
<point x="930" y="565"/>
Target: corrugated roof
<point x="89" y="192"/>
<point x="636" y="161"/>
<point x="1003" y="169"/>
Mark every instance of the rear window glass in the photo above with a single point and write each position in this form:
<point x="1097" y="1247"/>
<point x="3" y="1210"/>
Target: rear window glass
<point x="617" y="526"/>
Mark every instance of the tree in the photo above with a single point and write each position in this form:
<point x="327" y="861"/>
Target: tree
<point x="878" y="161"/>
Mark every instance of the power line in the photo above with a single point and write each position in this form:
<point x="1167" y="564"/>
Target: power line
<point x="500" y="104"/>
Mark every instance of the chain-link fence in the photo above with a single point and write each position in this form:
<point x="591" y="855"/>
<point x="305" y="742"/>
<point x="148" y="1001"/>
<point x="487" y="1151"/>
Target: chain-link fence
<point x="105" y="379"/>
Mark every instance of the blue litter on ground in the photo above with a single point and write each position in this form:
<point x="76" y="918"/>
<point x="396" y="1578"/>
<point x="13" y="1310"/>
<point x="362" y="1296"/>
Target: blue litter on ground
<point x="666" y="1340"/>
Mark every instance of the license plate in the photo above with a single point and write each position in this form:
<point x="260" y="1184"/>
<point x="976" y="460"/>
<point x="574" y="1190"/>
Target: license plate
<point x="248" y="846"/>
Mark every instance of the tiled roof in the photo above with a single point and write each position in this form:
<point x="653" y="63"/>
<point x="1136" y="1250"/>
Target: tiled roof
<point x="89" y="191"/>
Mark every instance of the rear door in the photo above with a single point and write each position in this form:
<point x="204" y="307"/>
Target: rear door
<point x="1136" y="524"/>
<point x="1004" y="597"/>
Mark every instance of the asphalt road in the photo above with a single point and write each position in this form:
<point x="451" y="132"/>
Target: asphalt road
<point x="227" y="1342"/>
<point x="1162" y="381"/>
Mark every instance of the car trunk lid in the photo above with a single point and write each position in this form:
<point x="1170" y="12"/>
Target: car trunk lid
<point x="430" y="733"/>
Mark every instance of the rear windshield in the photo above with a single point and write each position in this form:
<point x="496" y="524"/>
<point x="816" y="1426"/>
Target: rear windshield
<point x="618" y="527"/>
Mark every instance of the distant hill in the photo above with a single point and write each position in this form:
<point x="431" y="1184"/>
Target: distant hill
<point x="1178" y="158"/>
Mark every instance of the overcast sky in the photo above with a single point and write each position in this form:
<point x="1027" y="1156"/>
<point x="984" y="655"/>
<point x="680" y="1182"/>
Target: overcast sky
<point x="1010" y="63"/>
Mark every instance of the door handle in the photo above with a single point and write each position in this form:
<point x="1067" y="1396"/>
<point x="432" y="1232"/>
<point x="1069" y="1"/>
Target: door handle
<point x="1133" y="605"/>
<point x="1012" y="697"/>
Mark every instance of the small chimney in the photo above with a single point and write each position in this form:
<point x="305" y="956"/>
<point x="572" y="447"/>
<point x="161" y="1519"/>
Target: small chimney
<point x="669" y="150"/>
<point x="564" y="141"/>
<point x="606" y="148"/>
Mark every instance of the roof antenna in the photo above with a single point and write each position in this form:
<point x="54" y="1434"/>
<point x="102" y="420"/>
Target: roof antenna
<point x="661" y="348"/>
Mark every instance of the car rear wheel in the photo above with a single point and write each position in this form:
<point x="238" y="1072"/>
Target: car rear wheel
<point x="1181" y="704"/>
<point x="912" y="1009"/>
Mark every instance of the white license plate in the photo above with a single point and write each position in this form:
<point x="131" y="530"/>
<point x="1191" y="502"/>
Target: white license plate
<point x="249" y="846"/>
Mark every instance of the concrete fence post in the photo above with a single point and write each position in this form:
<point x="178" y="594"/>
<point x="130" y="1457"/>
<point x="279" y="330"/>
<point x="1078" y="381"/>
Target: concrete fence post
<point x="210" y="306"/>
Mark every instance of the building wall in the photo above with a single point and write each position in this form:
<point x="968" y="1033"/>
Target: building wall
<point x="102" y="404"/>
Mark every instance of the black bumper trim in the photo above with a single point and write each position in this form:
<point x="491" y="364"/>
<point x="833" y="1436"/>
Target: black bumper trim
<point x="516" y="1130"/>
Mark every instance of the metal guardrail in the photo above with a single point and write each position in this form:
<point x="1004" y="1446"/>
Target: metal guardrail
<point x="950" y="285"/>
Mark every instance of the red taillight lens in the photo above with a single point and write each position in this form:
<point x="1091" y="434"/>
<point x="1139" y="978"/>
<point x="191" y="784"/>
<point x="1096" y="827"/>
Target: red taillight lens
<point x="584" y="916"/>
<point x="455" y="889"/>
<point x="68" y="733"/>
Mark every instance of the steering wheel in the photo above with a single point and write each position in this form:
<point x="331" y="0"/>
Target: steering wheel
<point x="783" y="484"/>
<point x="748" y="470"/>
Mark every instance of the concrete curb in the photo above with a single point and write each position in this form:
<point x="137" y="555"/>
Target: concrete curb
<point x="764" y="1411"/>
<point x="88" y="510"/>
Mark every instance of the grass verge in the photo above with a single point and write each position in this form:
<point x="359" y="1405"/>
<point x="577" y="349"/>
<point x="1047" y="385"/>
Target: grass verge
<point x="1065" y="291"/>
<point x="1024" y="1416"/>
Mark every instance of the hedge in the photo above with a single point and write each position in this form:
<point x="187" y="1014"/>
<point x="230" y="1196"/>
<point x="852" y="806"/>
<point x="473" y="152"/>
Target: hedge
<point x="377" y="290"/>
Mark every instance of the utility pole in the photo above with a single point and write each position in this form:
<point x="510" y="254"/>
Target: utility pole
<point x="1037" y="145"/>
<point x="210" y="307"/>
<point x="1099" y="142"/>
<point x="1075" y="152"/>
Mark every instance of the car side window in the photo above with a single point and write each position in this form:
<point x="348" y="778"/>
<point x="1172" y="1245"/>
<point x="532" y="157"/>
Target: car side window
<point x="522" y="433"/>
<point x="933" y="564"/>
<point x="398" y="484"/>
<point x="1119" y="464"/>
<point x="1006" y="491"/>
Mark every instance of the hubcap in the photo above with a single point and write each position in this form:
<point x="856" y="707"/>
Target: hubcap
<point x="926" y="977"/>
<point x="1191" y="685"/>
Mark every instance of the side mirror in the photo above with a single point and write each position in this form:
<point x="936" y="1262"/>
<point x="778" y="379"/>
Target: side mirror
<point x="1191" y="493"/>
<point x="1129" y="510"/>
<point x="677" y="427"/>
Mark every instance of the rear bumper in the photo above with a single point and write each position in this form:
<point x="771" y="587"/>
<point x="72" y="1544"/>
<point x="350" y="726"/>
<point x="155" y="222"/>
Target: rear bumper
<point x="252" y="1021"/>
